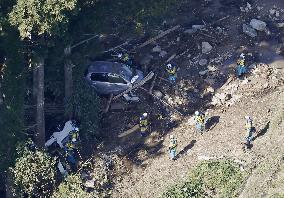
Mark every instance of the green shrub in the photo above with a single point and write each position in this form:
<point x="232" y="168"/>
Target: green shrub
<point x="34" y="173"/>
<point x="211" y="178"/>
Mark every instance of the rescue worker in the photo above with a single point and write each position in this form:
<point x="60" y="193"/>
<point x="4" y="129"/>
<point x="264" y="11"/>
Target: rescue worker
<point x="75" y="135"/>
<point x="173" y="147"/>
<point x="249" y="129"/>
<point x="125" y="58"/>
<point x="171" y="70"/>
<point x="241" y="67"/>
<point x="144" y="124"/>
<point x="69" y="149"/>
<point x="200" y="121"/>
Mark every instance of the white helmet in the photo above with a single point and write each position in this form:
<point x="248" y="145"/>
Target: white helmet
<point x="145" y="115"/>
<point x="119" y="55"/>
<point x="242" y="56"/>
<point x="76" y="129"/>
<point x="197" y="113"/>
<point x="169" y="66"/>
<point x="74" y="140"/>
<point x="248" y="118"/>
<point x="171" y="136"/>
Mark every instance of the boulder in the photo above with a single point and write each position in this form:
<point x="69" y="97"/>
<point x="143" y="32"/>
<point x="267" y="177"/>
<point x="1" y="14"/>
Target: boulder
<point x="206" y="47"/>
<point x="203" y="62"/>
<point x="158" y="94"/>
<point x="190" y="31"/>
<point x="163" y="54"/>
<point x="157" y="49"/>
<point x="249" y="31"/>
<point x="258" y="24"/>
<point x="202" y="73"/>
<point x="198" y="27"/>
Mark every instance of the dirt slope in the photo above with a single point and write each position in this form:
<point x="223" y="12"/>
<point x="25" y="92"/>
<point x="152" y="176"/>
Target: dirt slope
<point x="222" y="141"/>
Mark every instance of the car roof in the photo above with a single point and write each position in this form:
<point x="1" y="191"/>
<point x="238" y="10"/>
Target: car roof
<point x="105" y="67"/>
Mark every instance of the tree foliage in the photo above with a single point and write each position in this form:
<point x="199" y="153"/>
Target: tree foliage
<point x="72" y="187"/>
<point x="34" y="173"/>
<point x="40" y="16"/>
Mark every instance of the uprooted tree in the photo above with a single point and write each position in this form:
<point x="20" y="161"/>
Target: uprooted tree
<point x="36" y="22"/>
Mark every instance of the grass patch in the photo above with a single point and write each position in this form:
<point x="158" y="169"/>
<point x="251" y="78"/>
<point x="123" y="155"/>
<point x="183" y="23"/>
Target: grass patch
<point x="211" y="178"/>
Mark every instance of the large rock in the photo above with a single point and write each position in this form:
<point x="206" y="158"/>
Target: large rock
<point x="206" y="47"/>
<point x="249" y="31"/>
<point x="163" y="54"/>
<point x="258" y="24"/>
<point x="157" y="49"/>
<point x="190" y="31"/>
<point x="203" y="62"/>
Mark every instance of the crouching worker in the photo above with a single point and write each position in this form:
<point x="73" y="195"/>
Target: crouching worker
<point x="144" y="125"/>
<point x="241" y="67"/>
<point x="200" y="121"/>
<point x="171" y="70"/>
<point x="173" y="147"/>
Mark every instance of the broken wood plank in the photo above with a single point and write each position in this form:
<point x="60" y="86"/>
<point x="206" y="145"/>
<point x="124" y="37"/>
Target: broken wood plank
<point x="227" y="82"/>
<point x="129" y="131"/>
<point x="171" y="58"/>
<point x="158" y="37"/>
<point x="153" y="83"/>
<point x="108" y="103"/>
<point x="118" y="46"/>
<point x="84" y="41"/>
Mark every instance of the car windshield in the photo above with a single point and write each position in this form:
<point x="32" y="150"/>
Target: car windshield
<point x="126" y="72"/>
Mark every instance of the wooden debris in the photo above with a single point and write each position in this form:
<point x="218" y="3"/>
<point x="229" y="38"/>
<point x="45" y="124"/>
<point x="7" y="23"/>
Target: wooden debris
<point x="159" y="36"/>
<point x="129" y="131"/>
<point x="84" y="41"/>
<point x="171" y="58"/>
<point x="108" y="103"/>
<point x="227" y="82"/>
<point x="153" y="83"/>
<point x="118" y="46"/>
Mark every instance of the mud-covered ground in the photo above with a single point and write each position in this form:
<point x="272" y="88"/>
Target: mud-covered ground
<point x="150" y="171"/>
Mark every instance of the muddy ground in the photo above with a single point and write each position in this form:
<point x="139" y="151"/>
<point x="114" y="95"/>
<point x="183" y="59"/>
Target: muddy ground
<point x="149" y="171"/>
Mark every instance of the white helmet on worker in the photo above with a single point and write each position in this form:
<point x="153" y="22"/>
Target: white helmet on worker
<point x="197" y="113"/>
<point x="242" y="56"/>
<point x="76" y="129"/>
<point x="248" y="118"/>
<point x="145" y="115"/>
<point x="169" y="66"/>
<point x="119" y="55"/>
<point x="171" y="136"/>
<point x="74" y="139"/>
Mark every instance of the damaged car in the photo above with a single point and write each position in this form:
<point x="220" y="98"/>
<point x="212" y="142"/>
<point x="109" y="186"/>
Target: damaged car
<point x="111" y="77"/>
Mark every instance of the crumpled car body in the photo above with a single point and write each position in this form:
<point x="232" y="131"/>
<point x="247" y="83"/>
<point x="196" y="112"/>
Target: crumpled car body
<point x="60" y="136"/>
<point x="111" y="77"/>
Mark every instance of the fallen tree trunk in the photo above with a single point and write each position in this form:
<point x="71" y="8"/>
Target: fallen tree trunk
<point x="159" y="36"/>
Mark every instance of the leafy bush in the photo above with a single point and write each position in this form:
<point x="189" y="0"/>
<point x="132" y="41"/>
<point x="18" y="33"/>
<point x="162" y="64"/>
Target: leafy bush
<point x="210" y="178"/>
<point x="72" y="187"/>
<point x="33" y="174"/>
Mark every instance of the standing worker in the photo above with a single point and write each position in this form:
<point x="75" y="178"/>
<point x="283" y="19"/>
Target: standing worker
<point x="125" y="58"/>
<point x="241" y="67"/>
<point x="171" y="70"/>
<point x="173" y="147"/>
<point x="249" y="129"/>
<point x="144" y="124"/>
<point x="200" y="121"/>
